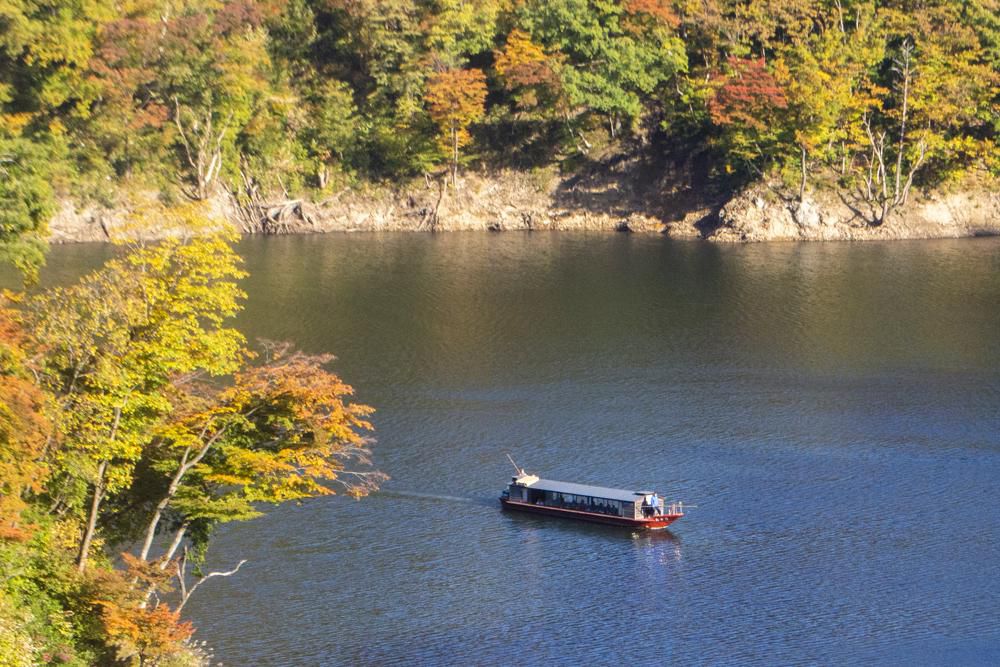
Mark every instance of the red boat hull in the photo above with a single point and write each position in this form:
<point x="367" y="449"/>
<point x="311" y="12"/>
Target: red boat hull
<point x="654" y="523"/>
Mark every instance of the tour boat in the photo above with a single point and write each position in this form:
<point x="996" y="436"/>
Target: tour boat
<point x="619" y="507"/>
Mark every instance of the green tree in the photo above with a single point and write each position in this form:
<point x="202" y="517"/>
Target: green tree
<point x="26" y="201"/>
<point x="617" y="55"/>
<point x="332" y="126"/>
<point x="457" y="30"/>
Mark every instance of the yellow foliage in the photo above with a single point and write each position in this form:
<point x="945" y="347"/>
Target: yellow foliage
<point x="518" y="52"/>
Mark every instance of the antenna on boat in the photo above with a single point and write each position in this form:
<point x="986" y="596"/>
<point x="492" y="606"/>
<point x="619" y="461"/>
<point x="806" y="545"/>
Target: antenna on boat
<point x="520" y="471"/>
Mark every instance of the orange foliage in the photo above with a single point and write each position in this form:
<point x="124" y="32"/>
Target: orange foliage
<point x="659" y="11"/>
<point x="524" y="67"/>
<point x="150" y="573"/>
<point x="283" y="430"/>
<point x="136" y="634"/>
<point x="24" y="433"/>
<point x="520" y="54"/>
<point x="146" y="634"/>
<point x="456" y="99"/>
<point x="303" y="408"/>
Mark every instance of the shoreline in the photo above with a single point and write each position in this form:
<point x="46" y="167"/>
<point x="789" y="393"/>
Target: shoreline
<point x="596" y="202"/>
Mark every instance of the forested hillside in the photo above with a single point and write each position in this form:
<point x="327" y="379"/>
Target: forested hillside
<point x="183" y="96"/>
<point x="134" y="419"/>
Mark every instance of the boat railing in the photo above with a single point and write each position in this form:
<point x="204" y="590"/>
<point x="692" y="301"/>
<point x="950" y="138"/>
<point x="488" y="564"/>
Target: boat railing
<point x="663" y="508"/>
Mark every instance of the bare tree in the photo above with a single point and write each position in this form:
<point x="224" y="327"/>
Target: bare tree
<point x="256" y="215"/>
<point x="186" y="592"/>
<point x="882" y="191"/>
<point x="202" y="144"/>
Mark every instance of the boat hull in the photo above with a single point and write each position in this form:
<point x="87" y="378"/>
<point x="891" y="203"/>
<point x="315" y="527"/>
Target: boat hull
<point x="652" y="523"/>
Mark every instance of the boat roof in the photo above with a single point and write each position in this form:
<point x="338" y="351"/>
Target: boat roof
<point x="586" y="490"/>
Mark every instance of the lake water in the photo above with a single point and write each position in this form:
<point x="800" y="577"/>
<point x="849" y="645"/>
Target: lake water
<point x="833" y="410"/>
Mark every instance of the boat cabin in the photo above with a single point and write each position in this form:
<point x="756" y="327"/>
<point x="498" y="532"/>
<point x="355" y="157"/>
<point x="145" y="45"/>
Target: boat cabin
<point x="591" y="503"/>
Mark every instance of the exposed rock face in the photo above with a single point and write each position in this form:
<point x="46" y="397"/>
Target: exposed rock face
<point x="620" y="197"/>
<point x="93" y="222"/>
<point x="758" y="215"/>
<point x="508" y="201"/>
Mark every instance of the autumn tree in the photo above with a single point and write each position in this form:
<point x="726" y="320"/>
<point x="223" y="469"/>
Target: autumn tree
<point x="190" y="96"/>
<point x="928" y="107"/>
<point x="746" y="105"/>
<point x="135" y="633"/>
<point x="25" y="431"/>
<point x="825" y="76"/>
<point x="129" y="120"/>
<point x="113" y="341"/>
<point x="953" y="102"/>
<point x="528" y="73"/>
<point x="284" y="430"/>
<point x="456" y="99"/>
<point x="183" y="81"/>
<point x="885" y="186"/>
<point x="45" y="49"/>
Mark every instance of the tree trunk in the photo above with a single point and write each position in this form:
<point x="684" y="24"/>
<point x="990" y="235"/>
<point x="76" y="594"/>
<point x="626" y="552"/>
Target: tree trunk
<point x="95" y="505"/>
<point x="905" y="69"/>
<point x="454" y="161"/>
<point x="147" y="543"/>
<point x="174" y="545"/>
<point x="175" y="483"/>
<point x="802" y="164"/>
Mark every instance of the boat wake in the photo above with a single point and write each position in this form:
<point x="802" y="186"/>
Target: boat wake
<point x="432" y="496"/>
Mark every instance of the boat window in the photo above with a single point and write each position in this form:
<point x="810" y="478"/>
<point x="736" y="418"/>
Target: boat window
<point x="576" y="502"/>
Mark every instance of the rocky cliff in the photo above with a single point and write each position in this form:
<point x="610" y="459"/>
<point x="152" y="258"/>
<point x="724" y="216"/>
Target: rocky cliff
<point x="624" y="196"/>
<point x="757" y="214"/>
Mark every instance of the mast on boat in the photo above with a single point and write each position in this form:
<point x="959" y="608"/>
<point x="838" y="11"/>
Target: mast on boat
<point x="520" y="470"/>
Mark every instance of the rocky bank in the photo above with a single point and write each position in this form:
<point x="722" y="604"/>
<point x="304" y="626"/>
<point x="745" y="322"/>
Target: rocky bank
<point x="757" y="214"/>
<point x="621" y="195"/>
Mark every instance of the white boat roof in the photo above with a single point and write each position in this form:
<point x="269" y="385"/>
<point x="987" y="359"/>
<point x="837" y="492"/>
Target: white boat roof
<point x="586" y="490"/>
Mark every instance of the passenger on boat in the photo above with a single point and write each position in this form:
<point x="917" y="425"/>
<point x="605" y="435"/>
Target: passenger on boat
<point x="655" y="502"/>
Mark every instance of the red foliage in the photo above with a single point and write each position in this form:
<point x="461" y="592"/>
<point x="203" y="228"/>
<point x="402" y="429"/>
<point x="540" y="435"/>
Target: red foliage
<point x="24" y="433"/>
<point x="124" y="64"/>
<point x="659" y="11"/>
<point x="238" y="15"/>
<point x="748" y="95"/>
